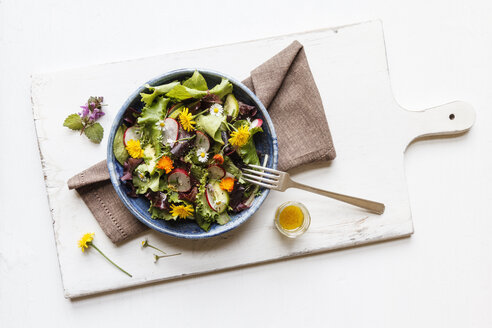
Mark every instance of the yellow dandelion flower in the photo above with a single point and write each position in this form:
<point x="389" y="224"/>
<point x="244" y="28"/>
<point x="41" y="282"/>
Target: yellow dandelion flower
<point x="227" y="184"/>
<point x="186" y="120"/>
<point x="240" y="137"/>
<point x="165" y="163"/>
<point x="134" y="149"/>
<point x="85" y="240"/>
<point x="182" y="211"/>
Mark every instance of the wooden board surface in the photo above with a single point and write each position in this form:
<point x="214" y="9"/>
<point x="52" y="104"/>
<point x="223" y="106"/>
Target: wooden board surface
<point x="370" y="132"/>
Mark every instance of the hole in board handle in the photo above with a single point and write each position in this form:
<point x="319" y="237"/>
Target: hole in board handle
<point x="451" y="117"/>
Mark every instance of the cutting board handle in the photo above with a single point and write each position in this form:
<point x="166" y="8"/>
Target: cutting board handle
<point x="452" y="118"/>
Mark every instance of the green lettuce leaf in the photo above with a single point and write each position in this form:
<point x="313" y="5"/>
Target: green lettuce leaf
<point x="204" y="215"/>
<point x="229" y="167"/>
<point x="152" y="135"/>
<point x="196" y="81"/>
<point x="148" y="98"/>
<point x="157" y="213"/>
<point x="222" y="89"/>
<point x="147" y="183"/>
<point x="198" y="172"/>
<point x="248" y="153"/>
<point x="180" y="92"/>
<point x="173" y="197"/>
<point x="223" y="218"/>
<point x="210" y="124"/>
<point x="119" y="150"/>
<point x="152" y="114"/>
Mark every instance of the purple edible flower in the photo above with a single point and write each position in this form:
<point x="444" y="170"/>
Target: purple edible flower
<point x="92" y="111"/>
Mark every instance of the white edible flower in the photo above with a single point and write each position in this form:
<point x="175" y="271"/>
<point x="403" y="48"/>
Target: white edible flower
<point x="216" y="110"/>
<point x="202" y="155"/>
<point x="161" y="125"/>
<point x="169" y="142"/>
<point x="142" y="177"/>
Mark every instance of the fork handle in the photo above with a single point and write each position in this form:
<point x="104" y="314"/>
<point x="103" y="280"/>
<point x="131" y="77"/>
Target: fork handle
<point x="369" y="205"/>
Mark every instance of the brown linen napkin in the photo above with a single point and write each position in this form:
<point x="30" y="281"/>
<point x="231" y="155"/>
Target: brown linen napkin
<point x="285" y="85"/>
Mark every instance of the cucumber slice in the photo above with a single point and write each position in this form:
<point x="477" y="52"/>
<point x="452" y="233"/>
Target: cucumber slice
<point x="176" y="111"/>
<point x="202" y="141"/>
<point x="231" y="106"/>
<point x="217" y="198"/>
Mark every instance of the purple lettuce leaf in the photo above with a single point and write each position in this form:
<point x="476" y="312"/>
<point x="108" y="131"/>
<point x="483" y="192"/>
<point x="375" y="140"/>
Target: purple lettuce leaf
<point x="182" y="147"/>
<point x="128" y="167"/>
<point x="130" y="116"/>
<point x="158" y="200"/>
<point x="189" y="196"/>
<point x="246" y="111"/>
<point x="194" y="107"/>
<point x="131" y="192"/>
<point x="236" y="196"/>
<point x="210" y="99"/>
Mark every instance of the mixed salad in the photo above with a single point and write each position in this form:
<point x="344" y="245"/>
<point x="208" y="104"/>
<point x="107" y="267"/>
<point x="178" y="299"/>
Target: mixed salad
<point x="185" y="148"/>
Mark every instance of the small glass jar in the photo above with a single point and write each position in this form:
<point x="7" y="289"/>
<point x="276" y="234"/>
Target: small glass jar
<point x="295" y="232"/>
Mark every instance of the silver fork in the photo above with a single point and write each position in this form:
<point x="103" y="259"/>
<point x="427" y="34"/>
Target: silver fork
<point x="281" y="181"/>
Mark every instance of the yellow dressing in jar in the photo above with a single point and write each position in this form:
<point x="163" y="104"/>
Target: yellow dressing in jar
<point x="291" y="217"/>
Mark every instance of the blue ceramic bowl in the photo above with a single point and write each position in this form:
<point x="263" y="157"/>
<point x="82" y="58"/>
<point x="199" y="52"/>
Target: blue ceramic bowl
<point x="266" y="143"/>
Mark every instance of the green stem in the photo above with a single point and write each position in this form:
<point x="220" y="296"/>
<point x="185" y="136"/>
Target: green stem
<point x="157" y="257"/>
<point x="206" y="110"/>
<point x="184" y="139"/>
<point x="230" y="125"/>
<point x="116" y="265"/>
<point x="160" y="250"/>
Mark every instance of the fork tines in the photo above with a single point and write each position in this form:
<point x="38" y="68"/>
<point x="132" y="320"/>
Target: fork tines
<point x="260" y="178"/>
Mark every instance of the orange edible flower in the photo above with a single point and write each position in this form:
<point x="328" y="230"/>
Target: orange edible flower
<point x="165" y="163"/>
<point x="227" y="184"/>
<point x="219" y="159"/>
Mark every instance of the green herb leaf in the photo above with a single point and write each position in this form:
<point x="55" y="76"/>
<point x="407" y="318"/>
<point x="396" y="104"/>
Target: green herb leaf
<point x="211" y="124"/>
<point x="94" y="132"/>
<point x="74" y="122"/>
<point x="222" y="89"/>
<point x="148" y="98"/>
<point x="119" y="150"/>
<point x="196" y="81"/>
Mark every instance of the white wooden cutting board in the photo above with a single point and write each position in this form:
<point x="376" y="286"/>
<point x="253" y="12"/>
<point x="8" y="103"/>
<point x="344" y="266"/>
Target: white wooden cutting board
<point x="370" y="131"/>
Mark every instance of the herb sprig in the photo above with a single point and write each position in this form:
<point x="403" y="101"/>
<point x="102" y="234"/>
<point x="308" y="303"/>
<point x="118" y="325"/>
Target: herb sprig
<point x="85" y="121"/>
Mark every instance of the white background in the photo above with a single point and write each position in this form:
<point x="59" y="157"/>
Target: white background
<point x="438" y="51"/>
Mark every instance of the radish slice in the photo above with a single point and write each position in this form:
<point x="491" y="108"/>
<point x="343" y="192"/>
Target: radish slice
<point x="180" y="179"/>
<point x="217" y="199"/>
<point x="132" y="133"/>
<point x="256" y="123"/>
<point x="170" y="132"/>
<point x="216" y="172"/>
<point x="202" y="141"/>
